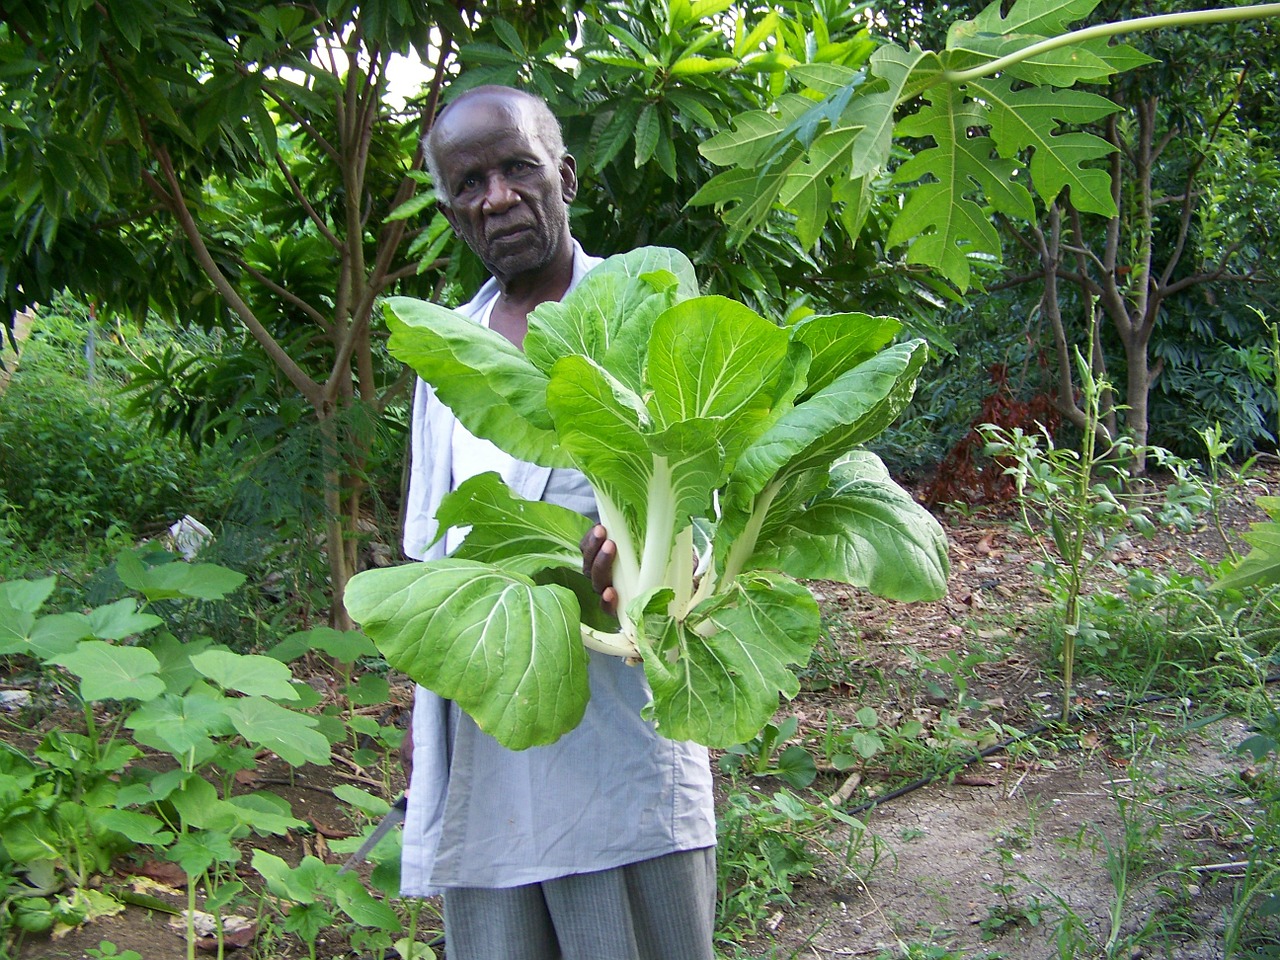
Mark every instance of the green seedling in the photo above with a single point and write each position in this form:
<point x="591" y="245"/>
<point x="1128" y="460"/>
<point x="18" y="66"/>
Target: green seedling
<point x="318" y="894"/>
<point x="769" y="754"/>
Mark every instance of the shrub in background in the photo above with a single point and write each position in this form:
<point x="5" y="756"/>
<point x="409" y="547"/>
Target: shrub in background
<point x="72" y="466"/>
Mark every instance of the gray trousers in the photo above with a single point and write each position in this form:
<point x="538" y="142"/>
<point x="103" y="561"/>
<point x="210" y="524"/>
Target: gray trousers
<point x="659" y="909"/>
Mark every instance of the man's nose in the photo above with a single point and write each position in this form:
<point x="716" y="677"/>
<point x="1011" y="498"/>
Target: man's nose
<point x="498" y="195"/>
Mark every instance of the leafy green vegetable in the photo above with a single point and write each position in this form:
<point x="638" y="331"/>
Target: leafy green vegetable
<point x="695" y="419"/>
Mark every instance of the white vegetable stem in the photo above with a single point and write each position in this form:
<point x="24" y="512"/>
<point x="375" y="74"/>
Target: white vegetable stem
<point x="614" y="644"/>
<point x="745" y="545"/>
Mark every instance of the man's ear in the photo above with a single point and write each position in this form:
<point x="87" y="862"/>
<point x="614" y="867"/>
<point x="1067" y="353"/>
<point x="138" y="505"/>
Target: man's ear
<point x="448" y="214"/>
<point x="568" y="177"/>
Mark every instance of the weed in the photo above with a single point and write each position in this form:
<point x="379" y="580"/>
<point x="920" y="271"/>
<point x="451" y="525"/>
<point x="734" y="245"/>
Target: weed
<point x="931" y="951"/>
<point x="769" y="754"/>
<point x="106" y="950"/>
<point x="1003" y="917"/>
<point x="765" y="844"/>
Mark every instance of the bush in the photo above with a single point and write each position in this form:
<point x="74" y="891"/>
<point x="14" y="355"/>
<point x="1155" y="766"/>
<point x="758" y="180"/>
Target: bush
<point x="72" y="466"/>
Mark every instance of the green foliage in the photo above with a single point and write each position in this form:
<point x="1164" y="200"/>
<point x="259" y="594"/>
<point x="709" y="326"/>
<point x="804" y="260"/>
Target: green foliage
<point x="764" y="844"/>
<point x="1217" y="370"/>
<point x="79" y="800"/>
<point x="833" y="140"/>
<point x="72" y="464"/>
<point x="317" y="893"/>
<point x="768" y="754"/>
<point x="1261" y="567"/>
<point x="1078" y="504"/>
<point x="717" y="419"/>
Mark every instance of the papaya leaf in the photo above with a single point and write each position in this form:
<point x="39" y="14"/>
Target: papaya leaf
<point x="1261" y="566"/>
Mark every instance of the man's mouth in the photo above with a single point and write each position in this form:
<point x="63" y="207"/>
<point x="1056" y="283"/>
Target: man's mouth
<point x="510" y="233"/>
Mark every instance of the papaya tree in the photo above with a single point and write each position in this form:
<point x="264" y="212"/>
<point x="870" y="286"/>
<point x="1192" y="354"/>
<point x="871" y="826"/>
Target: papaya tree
<point x="997" y="124"/>
<point x="1189" y="175"/>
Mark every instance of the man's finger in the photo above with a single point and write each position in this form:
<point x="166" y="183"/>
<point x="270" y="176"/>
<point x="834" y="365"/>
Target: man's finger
<point x="601" y="572"/>
<point x="591" y="543"/>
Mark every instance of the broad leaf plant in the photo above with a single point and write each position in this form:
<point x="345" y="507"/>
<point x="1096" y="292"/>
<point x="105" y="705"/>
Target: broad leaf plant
<point x="724" y="450"/>
<point x="995" y="117"/>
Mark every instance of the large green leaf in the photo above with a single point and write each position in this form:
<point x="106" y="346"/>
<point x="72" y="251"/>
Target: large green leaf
<point x="290" y="735"/>
<point x="625" y="455"/>
<point x="58" y="633"/>
<point x="711" y="357"/>
<point x="607" y="317"/>
<point x="863" y="530"/>
<point x="109" y="672"/>
<point x="1261" y="566"/>
<point x="603" y="425"/>
<point x="41" y="637"/>
<point x="509" y="651"/>
<point x="1028" y="118"/>
<point x="179" y="724"/>
<point x="345" y="645"/>
<point x="26" y="595"/>
<point x="993" y="34"/>
<point x="265" y="813"/>
<point x="839" y="342"/>
<point x="717" y="679"/>
<point x="177" y="580"/>
<point x="121" y="619"/>
<point x="488" y="383"/>
<point x="947" y="226"/>
<point x="856" y="406"/>
<point x="246" y="673"/>
<point x="524" y="536"/>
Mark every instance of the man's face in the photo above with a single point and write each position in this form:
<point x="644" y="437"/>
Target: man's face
<point x="508" y="195"/>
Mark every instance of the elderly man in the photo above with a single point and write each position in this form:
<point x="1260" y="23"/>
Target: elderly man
<point x="601" y="845"/>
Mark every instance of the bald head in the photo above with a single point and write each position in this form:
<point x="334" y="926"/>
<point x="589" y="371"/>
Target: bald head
<point x="543" y="121"/>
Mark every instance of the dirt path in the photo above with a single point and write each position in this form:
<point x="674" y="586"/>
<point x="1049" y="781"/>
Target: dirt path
<point x="999" y="866"/>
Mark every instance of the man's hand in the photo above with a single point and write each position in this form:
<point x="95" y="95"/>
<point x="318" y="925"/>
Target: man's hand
<point x="598" y="553"/>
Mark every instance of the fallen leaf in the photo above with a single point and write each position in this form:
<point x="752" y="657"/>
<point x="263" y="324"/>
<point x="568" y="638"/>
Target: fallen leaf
<point x="975" y="780"/>
<point x="153" y="887"/>
<point x="328" y="832"/>
<point x="237" y="932"/>
<point x="162" y="871"/>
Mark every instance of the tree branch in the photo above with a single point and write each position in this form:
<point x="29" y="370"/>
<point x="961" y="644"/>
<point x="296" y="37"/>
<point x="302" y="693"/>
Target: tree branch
<point x="178" y="207"/>
<point x="316" y="316"/>
<point x="306" y="205"/>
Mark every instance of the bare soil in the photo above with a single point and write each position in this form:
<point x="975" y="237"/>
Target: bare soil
<point x="986" y="860"/>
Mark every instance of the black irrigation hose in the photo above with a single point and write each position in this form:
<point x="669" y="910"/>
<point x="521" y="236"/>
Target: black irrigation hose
<point x="1026" y="734"/>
